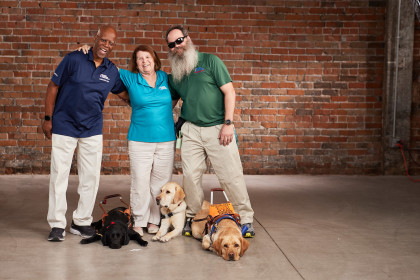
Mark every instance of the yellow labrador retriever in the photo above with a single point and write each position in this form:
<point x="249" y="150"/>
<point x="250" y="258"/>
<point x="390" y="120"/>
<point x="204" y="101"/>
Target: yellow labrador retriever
<point x="172" y="209"/>
<point x="200" y="220"/>
<point x="225" y="239"/>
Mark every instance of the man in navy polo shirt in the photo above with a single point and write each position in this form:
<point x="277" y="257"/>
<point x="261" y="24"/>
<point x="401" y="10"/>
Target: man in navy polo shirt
<point x="73" y="119"/>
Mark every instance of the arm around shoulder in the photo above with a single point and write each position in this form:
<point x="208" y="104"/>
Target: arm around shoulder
<point x="124" y="96"/>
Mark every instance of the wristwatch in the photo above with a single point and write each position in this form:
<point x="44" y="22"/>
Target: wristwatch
<point x="47" y="118"/>
<point x="228" y="122"/>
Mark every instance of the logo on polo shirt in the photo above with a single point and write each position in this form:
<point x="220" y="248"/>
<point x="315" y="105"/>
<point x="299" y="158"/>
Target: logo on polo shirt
<point x="162" y="88"/>
<point x="199" y="70"/>
<point x="104" y="78"/>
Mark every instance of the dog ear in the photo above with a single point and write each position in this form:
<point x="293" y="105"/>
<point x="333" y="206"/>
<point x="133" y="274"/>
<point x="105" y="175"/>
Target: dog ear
<point x="105" y="238"/>
<point x="126" y="238"/>
<point x="179" y="194"/>
<point x="217" y="246"/>
<point x="244" y="246"/>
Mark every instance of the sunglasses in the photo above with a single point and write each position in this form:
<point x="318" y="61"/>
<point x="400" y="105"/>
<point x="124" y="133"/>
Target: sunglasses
<point x="177" y="41"/>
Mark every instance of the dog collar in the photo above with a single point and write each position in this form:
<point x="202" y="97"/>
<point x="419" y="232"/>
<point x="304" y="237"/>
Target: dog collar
<point x="170" y="214"/>
<point x="167" y="216"/>
<point x="114" y="222"/>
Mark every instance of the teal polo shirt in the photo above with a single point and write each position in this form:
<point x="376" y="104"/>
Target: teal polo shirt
<point x="151" y="108"/>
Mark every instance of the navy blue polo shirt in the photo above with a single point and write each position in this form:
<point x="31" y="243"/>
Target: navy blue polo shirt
<point x="82" y="92"/>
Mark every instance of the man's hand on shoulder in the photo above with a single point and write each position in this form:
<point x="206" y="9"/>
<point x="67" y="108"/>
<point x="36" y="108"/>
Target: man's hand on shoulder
<point x="84" y="48"/>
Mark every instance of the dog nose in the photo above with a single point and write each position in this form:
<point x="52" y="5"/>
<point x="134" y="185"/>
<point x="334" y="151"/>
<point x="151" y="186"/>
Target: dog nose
<point x="158" y="200"/>
<point x="231" y="256"/>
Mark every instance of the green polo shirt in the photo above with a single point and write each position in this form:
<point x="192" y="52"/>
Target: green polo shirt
<point x="203" y="101"/>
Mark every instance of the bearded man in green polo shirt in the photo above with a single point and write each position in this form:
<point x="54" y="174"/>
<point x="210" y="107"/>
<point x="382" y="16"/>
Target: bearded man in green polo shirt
<point x="203" y="83"/>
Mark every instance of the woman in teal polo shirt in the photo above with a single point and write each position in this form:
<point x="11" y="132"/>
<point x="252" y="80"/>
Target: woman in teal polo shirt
<point x="151" y="136"/>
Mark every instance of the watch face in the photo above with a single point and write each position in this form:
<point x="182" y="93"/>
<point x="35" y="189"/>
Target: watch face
<point x="47" y="118"/>
<point x="228" y="122"/>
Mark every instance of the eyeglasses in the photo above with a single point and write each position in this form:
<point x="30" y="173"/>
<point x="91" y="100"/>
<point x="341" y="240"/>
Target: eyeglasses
<point x="177" y="41"/>
<point x="104" y="41"/>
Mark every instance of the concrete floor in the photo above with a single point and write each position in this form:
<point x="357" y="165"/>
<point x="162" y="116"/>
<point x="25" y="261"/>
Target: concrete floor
<point x="308" y="227"/>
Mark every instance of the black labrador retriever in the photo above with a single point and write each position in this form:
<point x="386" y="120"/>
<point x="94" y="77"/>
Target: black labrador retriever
<point x="115" y="230"/>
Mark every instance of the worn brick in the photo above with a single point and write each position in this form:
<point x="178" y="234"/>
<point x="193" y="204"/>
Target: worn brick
<point x="307" y="74"/>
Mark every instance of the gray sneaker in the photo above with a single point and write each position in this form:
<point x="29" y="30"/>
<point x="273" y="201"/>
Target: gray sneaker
<point x="249" y="231"/>
<point x="56" y="234"/>
<point x="83" y="231"/>
<point x="187" y="227"/>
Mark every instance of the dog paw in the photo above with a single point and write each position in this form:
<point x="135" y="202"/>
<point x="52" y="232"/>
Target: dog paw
<point x="164" y="239"/>
<point x="143" y="243"/>
<point x="205" y="243"/>
<point x="155" y="238"/>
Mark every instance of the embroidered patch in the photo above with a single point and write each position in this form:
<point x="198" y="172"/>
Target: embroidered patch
<point x="199" y="69"/>
<point x="104" y="78"/>
<point x="162" y="88"/>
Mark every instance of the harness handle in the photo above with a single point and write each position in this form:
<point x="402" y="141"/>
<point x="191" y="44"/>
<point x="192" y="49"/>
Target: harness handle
<point x="111" y="196"/>
<point x="217" y="190"/>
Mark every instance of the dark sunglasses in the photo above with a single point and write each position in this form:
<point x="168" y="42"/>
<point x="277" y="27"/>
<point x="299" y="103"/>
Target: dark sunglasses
<point x="177" y="41"/>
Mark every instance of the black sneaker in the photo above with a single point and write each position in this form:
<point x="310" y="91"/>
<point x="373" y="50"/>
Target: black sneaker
<point x="248" y="230"/>
<point x="83" y="231"/>
<point x="56" y="234"/>
<point x="187" y="228"/>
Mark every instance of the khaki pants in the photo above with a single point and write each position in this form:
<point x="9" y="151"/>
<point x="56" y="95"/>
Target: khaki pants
<point x="89" y="158"/>
<point x="198" y="143"/>
<point x="151" y="166"/>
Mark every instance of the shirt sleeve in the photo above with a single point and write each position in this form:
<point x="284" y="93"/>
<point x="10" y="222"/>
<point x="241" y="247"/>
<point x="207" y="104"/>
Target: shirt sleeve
<point x="126" y="78"/>
<point x="220" y="72"/>
<point x="62" y="72"/>
<point x="119" y="85"/>
<point x="174" y="93"/>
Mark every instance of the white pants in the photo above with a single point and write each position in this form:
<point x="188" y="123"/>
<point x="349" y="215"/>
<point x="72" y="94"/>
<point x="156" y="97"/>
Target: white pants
<point x="89" y="157"/>
<point x="151" y="166"/>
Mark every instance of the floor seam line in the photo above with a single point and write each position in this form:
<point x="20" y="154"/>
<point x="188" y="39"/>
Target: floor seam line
<point x="278" y="247"/>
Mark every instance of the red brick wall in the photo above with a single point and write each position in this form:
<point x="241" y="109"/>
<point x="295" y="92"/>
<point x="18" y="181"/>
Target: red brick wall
<point x="308" y="76"/>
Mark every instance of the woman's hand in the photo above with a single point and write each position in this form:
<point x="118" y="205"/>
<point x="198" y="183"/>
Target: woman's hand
<point x="84" y="48"/>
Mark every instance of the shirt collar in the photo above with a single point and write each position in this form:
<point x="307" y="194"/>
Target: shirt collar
<point x="143" y="82"/>
<point x="105" y="62"/>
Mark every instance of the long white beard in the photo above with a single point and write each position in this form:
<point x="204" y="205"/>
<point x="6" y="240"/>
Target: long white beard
<point x="182" y="65"/>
